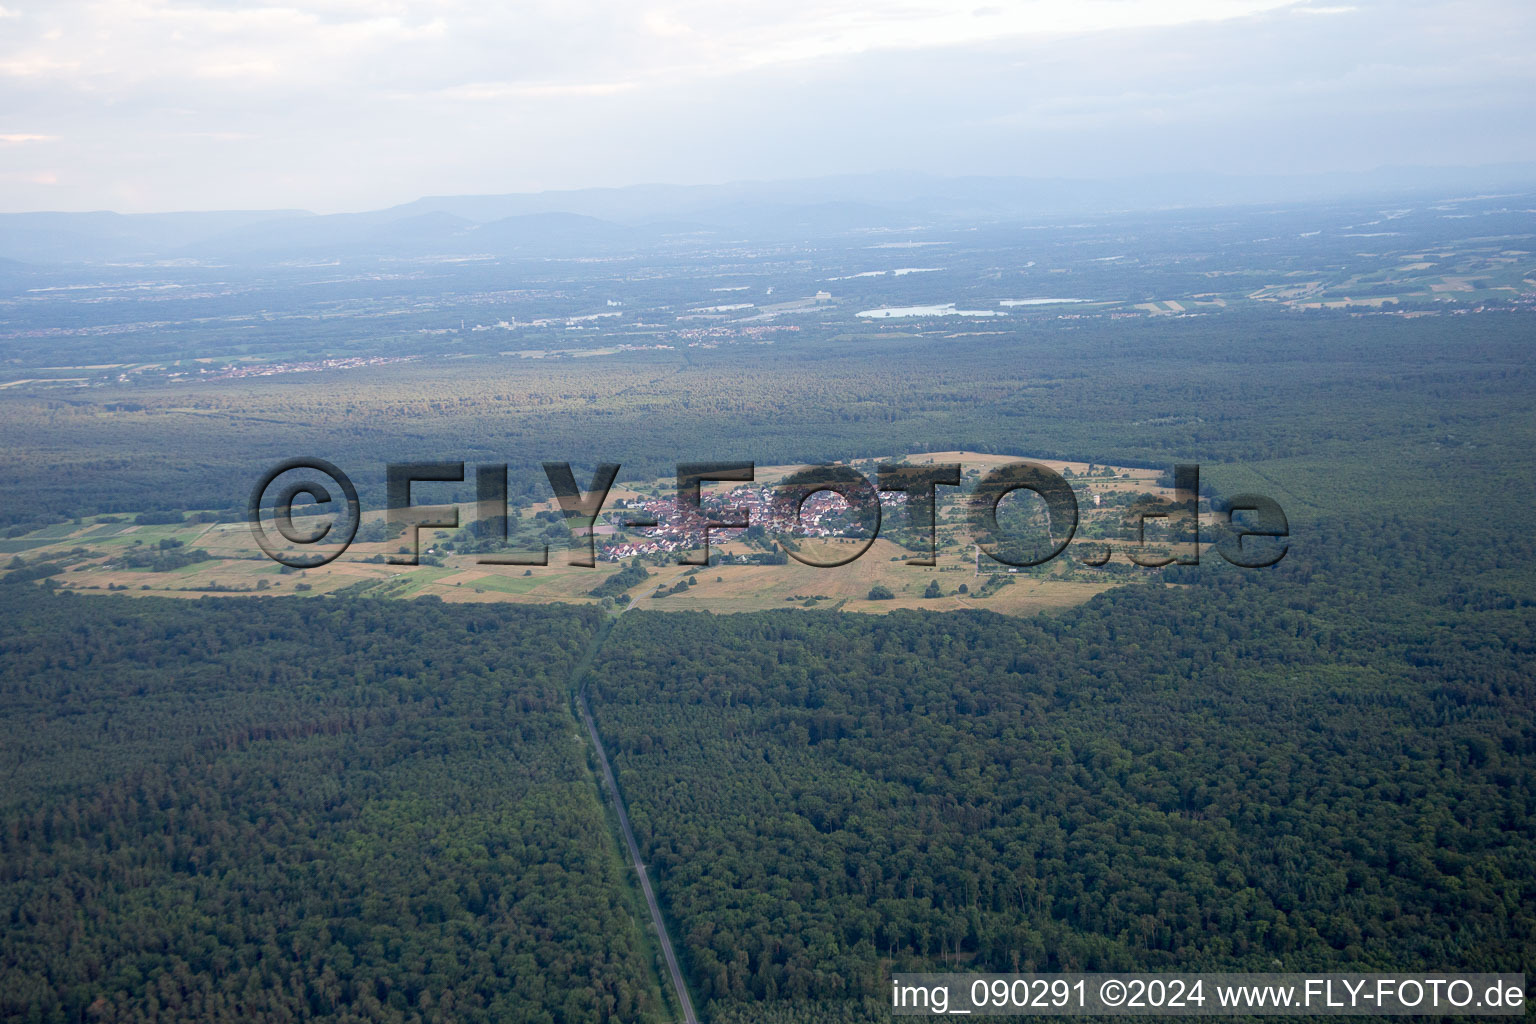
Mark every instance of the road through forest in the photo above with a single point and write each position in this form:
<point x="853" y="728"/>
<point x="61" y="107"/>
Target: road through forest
<point x="634" y="855"/>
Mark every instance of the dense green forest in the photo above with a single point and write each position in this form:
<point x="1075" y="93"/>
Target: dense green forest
<point x="1331" y="767"/>
<point x="1331" y="411"/>
<point x="269" y="811"/>
<point x="350" y="809"/>
<point x="363" y="810"/>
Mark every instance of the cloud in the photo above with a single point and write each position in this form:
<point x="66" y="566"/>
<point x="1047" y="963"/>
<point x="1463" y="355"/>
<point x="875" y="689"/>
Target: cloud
<point x="35" y="64"/>
<point x="17" y="139"/>
<point x="351" y="103"/>
<point x="129" y="41"/>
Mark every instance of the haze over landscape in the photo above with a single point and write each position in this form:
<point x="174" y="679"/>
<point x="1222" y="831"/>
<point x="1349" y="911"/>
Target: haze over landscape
<point x="344" y="106"/>
<point x="586" y="512"/>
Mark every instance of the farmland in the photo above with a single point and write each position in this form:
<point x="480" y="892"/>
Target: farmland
<point x="99" y="555"/>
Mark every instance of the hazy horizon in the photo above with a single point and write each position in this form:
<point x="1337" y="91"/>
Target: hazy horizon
<point x="1122" y="194"/>
<point x="344" y="106"/>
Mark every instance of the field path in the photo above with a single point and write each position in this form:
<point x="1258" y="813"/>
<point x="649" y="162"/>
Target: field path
<point x="634" y="855"/>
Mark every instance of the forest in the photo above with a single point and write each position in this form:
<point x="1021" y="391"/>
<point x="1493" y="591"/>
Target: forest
<point x="372" y="810"/>
<point x="278" y="810"/>
<point x="1329" y="769"/>
<point x="364" y="808"/>
<point x="1341" y="412"/>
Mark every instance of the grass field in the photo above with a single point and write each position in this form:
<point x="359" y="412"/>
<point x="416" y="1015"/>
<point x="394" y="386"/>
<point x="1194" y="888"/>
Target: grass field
<point x="93" y="553"/>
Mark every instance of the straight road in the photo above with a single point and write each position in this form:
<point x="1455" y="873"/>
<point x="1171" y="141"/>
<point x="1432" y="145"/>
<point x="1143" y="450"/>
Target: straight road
<point x="634" y="855"/>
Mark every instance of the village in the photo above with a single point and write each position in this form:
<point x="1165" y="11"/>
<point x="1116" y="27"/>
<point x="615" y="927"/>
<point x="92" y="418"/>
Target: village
<point x="679" y="527"/>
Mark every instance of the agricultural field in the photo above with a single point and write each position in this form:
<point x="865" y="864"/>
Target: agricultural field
<point x="113" y="554"/>
<point x="75" y="329"/>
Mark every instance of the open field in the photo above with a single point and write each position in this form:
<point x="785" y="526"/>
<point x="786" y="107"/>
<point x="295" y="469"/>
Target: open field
<point x="98" y="556"/>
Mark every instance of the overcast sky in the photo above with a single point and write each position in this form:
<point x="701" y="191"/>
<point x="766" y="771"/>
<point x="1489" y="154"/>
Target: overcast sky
<point x="140" y="105"/>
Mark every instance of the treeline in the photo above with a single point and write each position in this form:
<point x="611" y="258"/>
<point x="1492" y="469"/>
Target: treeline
<point x="621" y="581"/>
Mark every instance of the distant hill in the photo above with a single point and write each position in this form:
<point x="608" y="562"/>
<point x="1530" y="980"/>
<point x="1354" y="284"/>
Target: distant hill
<point x="633" y="217"/>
